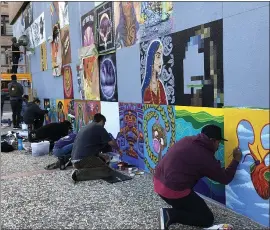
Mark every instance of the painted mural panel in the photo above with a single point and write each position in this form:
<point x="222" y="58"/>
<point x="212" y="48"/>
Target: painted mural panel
<point x="201" y="84"/>
<point x="56" y="51"/>
<point x="91" y="108"/>
<point x="68" y="83"/>
<point x="105" y="27"/>
<point x="66" y="46"/>
<point x="85" y="52"/>
<point x="63" y="14"/>
<point x="46" y="106"/>
<point x="189" y="121"/>
<point x="43" y="56"/>
<point x="53" y="111"/>
<point x="88" y="28"/>
<point x="156" y="19"/>
<point x="36" y="31"/>
<point x="69" y="111"/>
<point x="159" y="133"/>
<point x="60" y="110"/>
<point x="66" y="107"/>
<point x="157" y="62"/>
<point x="54" y="9"/>
<point x="91" y="78"/>
<point x="249" y="191"/>
<point x="131" y="138"/>
<point x="127" y="27"/>
<point x="108" y="78"/>
<point x="79" y="107"/>
<point x="28" y="15"/>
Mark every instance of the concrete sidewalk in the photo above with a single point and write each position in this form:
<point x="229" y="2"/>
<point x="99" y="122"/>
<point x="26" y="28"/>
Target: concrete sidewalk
<point x="33" y="198"/>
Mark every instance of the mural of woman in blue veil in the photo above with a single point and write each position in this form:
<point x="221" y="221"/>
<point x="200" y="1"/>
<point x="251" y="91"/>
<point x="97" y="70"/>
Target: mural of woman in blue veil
<point x="152" y="88"/>
<point x="128" y="27"/>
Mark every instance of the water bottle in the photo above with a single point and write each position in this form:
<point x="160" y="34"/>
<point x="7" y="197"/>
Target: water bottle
<point x="20" y="143"/>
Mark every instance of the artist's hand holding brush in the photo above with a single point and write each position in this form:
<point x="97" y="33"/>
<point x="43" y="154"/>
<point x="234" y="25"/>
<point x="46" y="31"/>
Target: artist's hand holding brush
<point x="237" y="154"/>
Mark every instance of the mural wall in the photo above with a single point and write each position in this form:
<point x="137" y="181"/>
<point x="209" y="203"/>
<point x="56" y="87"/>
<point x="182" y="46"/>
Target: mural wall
<point x="249" y="192"/>
<point x="180" y="69"/>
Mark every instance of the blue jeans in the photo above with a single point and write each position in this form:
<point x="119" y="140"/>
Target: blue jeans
<point x="65" y="151"/>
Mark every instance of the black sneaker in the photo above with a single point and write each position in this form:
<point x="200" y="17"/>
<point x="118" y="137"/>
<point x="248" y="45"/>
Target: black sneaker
<point x="74" y="176"/>
<point x="164" y="219"/>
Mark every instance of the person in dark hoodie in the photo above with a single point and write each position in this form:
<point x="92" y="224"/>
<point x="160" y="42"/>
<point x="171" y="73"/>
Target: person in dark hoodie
<point x="187" y="161"/>
<point x="34" y="115"/>
<point x="16" y="92"/>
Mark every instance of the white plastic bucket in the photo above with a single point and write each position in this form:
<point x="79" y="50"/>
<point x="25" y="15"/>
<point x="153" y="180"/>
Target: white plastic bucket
<point x="40" y="149"/>
<point x="24" y="126"/>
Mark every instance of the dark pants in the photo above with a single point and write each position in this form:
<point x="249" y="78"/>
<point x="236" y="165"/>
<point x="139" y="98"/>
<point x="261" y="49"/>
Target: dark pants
<point x="16" y="107"/>
<point x="190" y="210"/>
<point x="2" y="107"/>
<point x="91" y="168"/>
<point x="15" y="61"/>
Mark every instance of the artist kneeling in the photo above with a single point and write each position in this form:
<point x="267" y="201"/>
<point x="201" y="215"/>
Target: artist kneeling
<point x="187" y="161"/>
<point x="34" y="115"/>
<point x="89" y="147"/>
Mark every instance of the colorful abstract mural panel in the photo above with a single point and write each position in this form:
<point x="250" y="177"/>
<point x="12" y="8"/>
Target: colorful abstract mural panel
<point x="105" y="27"/>
<point x="127" y="19"/>
<point x="88" y="28"/>
<point x="157" y="61"/>
<point x="189" y="122"/>
<point x="248" y="193"/>
<point x="159" y="133"/>
<point x="80" y="120"/>
<point x="201" y="84"/>
<point x="91" y="78"/>
<point x="91" y="108"/>
<point x="108" y="78"/>
<point x="131" y="138"/>
<point x="68" y="83"/>
<point x="156" y="19"/>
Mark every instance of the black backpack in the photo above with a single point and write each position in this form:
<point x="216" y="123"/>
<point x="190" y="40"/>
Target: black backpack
<point x="14" y="90"/>
<point x="6" y="147"/>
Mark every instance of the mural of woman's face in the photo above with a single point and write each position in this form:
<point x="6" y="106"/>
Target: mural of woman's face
<point x="158" y="60"/>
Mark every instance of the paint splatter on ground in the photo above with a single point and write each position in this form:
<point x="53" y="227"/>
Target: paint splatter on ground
<point x="33" y="199"/>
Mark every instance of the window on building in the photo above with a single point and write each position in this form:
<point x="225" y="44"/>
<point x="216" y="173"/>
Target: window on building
<point x="6" y="28"/>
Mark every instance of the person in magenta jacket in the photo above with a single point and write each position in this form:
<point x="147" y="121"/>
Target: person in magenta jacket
<point x="186" y="162"/>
